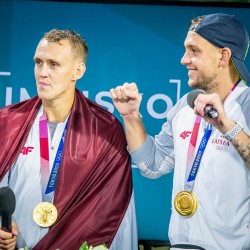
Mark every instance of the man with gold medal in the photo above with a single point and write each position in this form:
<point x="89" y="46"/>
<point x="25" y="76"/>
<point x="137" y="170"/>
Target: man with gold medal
<point x="206" y="141"/>
<point x="62" y="154"/>
<point x="186" y="202"/>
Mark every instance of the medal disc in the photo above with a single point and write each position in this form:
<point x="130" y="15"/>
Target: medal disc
<point x="45" y="214"/>
<point x="185" y="203"/>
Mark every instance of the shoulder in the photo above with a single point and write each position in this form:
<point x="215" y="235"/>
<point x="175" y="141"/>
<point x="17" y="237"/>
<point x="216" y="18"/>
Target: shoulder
<point x="243" y="101"/>
<point x="19" y="107"/>
<point x="182" y="103"/>
<point x="97" y="120"/>
<point x="106" y="127"/>
<point x="244" y="97"/>
<point x="103" y="116"/>
<point x="97" y="112"/>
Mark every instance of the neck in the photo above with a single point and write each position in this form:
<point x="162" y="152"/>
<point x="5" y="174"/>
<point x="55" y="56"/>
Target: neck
<point x="224" y="92"/>
<point x="57" y="111"/>
<point x="228" y="80"/>
<point x="224" y="85"/>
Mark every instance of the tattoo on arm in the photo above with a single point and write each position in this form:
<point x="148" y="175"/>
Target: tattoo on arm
<point x="243" y="149"/>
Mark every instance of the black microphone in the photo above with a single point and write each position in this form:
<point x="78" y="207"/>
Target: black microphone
<point x="7" y="207"/>
<point x="209" y="109"/>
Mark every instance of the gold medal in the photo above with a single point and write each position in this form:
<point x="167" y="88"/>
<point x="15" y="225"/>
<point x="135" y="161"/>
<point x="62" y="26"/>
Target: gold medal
<point x="45" y="214"/>
<point x="185" y="203"/>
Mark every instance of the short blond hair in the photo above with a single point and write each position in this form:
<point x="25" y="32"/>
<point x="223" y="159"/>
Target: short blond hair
<point x="78" y="44"/>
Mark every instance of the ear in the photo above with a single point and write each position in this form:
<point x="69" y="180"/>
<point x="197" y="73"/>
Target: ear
<point x="225" y="56"/>
<point x="79" y="71"/>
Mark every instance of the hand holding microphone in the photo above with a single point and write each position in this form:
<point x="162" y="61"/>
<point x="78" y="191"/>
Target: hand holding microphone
<point x="209" y="109"/>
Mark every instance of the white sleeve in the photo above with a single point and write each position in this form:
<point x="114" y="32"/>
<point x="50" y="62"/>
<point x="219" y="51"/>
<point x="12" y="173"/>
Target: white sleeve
<point x="126" y="236"/>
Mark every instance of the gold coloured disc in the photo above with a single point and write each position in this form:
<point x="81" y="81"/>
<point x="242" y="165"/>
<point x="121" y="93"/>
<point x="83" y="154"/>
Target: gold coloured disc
<point x="185" y="203"/>
<point x="45" y="214"/>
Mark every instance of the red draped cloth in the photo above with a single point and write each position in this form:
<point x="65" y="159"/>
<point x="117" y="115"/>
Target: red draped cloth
<point x="94" y="184"/>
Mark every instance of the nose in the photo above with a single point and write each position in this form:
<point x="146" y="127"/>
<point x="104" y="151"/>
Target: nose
<point x="185" y="59"/>
<point x="43" y="70"/>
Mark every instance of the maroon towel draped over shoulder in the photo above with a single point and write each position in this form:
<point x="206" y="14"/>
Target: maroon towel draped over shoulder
<point x="94" y="184"/>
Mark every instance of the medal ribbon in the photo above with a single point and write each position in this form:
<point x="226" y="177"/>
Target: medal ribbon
<point x="197" y="160"/>
<point x="192" y="168"/>
<point x="48" y="180"/>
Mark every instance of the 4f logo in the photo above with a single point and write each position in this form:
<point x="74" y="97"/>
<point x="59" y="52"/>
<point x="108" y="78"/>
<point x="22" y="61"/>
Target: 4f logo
<point x="26" y="150"/>
<point x="185" y="134"/>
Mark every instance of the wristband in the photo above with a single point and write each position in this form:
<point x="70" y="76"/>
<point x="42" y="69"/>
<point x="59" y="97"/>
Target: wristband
<point x="233" y="132"/>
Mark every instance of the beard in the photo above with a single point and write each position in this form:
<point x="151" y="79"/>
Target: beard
<point x="206" y="83"/>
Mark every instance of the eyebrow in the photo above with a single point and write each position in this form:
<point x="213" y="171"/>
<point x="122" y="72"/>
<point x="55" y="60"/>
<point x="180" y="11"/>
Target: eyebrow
<point x="48" y="60"/>
<point x="191" y="46"/>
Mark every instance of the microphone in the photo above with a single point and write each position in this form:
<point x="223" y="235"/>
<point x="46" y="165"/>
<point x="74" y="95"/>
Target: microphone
<point x="7" y="207"/>
<point x="209" y="109"/>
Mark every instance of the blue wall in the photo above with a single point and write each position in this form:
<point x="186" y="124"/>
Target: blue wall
<point x="140" y="43"/>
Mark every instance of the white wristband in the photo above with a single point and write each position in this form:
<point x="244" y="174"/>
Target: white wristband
<point x="233" y="132"/>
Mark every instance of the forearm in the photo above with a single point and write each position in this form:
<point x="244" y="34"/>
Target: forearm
<point x="134" y="130"/>
<point x="241" y="141"/>
<point x="155" y="157"/>
<point x="152" y="160"/>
